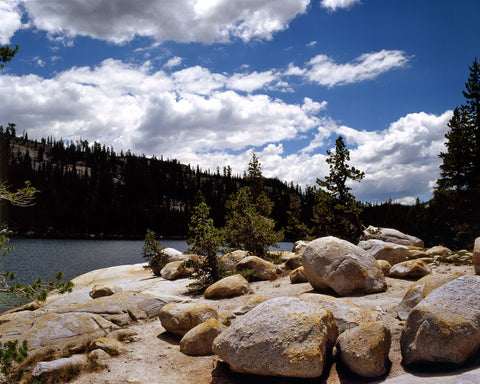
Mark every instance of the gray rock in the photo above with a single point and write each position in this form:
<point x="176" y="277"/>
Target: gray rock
<point x="47" y="367"/>
<point x="445" y="326"/>
<point x="298" y="276"/>
<point x="392" y="236"/>
<point x="230" y="286"/>
<point x="264" y="270"/>
<point x="419" y="290"/>
<point x="410" y="269"/>
<point x="231" y="259"/>
<point x="101" y="290"/>
<point x="179" y="318"/>
<point x="198" y="340"/>
<point x="280" y="337"/>
<point x="337" y="264"/>
<point x="476" y="256"/>
<point x="364" y="349"/>
<point x="381" y="250"/>
<point x="347" y="314"/>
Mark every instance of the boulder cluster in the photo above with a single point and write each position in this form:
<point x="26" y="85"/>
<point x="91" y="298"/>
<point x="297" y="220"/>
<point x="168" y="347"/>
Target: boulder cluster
<point x="295" y="337"/>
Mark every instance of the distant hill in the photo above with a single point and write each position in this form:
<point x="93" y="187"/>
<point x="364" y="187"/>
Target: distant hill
<point x="89" y="190"/>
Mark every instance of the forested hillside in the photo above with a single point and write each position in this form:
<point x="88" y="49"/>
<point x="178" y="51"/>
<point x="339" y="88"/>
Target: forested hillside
<point x="92" y="191"/>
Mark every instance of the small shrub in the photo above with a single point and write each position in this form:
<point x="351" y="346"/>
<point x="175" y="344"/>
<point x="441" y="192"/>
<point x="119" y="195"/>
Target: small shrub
<point x="153" y="253"/>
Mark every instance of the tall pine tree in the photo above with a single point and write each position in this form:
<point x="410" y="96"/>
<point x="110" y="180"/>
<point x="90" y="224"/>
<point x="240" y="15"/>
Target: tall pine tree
<point x="455" y="205"/>
<point x="337" y="211"/>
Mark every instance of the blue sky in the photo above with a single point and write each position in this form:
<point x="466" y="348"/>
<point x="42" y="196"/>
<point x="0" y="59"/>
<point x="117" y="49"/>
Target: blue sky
<point x="205" y="81"/>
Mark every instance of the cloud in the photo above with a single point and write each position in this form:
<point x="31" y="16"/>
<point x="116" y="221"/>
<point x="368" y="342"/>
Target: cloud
<point x="205" y="21"/>
<point x="312" y="43"/>
<point x="333" y="5"/>
<point x="323" y="70"/>
<point x="11" y="20"/>
<point x="173" y="62"/>
<point x="188" y="111"/>
<point x="403" y="159"/>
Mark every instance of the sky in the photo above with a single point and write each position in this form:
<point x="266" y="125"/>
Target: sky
<point x="208" y="81"/>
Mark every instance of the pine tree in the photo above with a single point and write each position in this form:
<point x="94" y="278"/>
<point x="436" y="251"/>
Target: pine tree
<point x="337" y="212"/>
<point x="205" y="240"/>
<point x="455" y="204"/>
<point x="295" y="229"/>
<point x="248" y="225"/>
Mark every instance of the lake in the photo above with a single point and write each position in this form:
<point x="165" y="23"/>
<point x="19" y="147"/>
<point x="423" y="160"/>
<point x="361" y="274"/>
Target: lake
<point x="34" y="258"/>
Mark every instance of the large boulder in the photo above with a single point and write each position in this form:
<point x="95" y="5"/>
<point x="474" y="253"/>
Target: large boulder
<point x="294" y="262"/>
<point x="174" y="270"/>
<point x="230" y="286"/>
<point x="280" y="337"/>
<point x="391" y="236"/>
<point x="231" y="259"/>
<point x="364" y="349"/>
<point x="264" y="270"/>
<point x="179" y="318"/>
<point x="476" y="256"/>
<point x="251" y="303"/>
<point x="438" y="250"/>
<point x="347" y="314"/>
<point x="337" y="264"/>
<point x="381" y="250"/>
<point x="410" y="269"/>
<point x="419" y="290"/>
<point x="445" y="326"/>
<point x="198" y="340"/>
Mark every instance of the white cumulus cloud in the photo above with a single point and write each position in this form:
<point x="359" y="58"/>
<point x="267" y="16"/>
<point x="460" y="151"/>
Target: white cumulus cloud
<point x="323" y="70"/>
<point x="10" y="20"/>
<point x="333" y="5"/>
<point x="206" y="21"/>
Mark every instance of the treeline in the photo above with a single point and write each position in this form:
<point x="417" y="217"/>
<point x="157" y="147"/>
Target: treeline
<point x="89" y="190"/>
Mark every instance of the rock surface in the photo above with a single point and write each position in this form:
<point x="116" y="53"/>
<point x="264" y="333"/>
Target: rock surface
<point x="47" y="367"/>
<point x="231" y="259"/>
<point x="264" y="270"/>
<point x="364" y="349"/>
<point x="410" y="269"/>
<point x="298" y="276"/>
<point x="179" y="318"/>
<point x="347" y="314"/>
<point x="419" y="290"/>
<point x="198" y="340"/>
<point x="173" y="270"/>
<point x="337" y="264"/>
<point x="385" y="266"/>
<point x="230" y="286"/>
<point x="392" y="236"/>
<point x="445" y="326"/>
<point x="280" y="337"/>
<point x="101" y="290"/>
<point x="476" y="256"/>
<point x="381" y="250"/>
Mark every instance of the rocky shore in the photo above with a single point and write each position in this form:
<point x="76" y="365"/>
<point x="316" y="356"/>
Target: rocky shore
<point x="347" y="320"/>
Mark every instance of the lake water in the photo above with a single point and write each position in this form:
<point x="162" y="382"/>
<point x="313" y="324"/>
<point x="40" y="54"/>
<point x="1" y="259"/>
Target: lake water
<point x="34" y="258"/>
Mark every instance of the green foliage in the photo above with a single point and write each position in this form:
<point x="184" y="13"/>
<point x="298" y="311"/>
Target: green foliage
<point x="11" y="352"/>
<point x="205" y="240"/>
<point x="295" y="228"/>
<point x="455" y="203"/>
<point x="6" y="54"/>
<point x="336" y="211"/>
<point x="153" y="252"/>
<point x="246" y="227"/>
<point x="22" y="197"/>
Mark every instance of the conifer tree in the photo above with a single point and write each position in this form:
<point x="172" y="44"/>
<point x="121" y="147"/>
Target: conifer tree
<point x="205" y="240"/>
<point x="295" y="229"/>
<point x="248" y="225"/>
<point x="337" y="212"/>
<point x="455" y="205"/>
